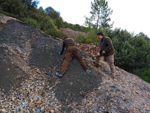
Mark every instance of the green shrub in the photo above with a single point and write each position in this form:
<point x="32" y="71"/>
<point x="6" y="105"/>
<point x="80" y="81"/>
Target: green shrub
<point x="148" y="57"/>
<point x="88" y="41"/>
<point x="146" y="75"/>
<point x="55" y="33"/>
<point x="62" y="35"/>
<point x="92" y="34"/>
<point x="46" y="32"/>
<point x="31" y="22"/>
<point x="80" y="38"/>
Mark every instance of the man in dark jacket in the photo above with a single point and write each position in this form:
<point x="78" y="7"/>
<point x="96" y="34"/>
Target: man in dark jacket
<point x="71" y="49"/>
<point x="107" y="50"/>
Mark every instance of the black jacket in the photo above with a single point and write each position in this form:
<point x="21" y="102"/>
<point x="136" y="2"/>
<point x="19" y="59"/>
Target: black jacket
<point x="107" y="46"/>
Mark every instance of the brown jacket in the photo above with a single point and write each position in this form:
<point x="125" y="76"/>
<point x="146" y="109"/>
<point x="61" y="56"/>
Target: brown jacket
<point x="66" y="43"/>
<point x="107" y="46"/>
<point x="70" y="45"/>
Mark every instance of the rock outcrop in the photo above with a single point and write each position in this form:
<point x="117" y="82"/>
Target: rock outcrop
<point x="29" y="60"/>
<point x="72" y="33"/>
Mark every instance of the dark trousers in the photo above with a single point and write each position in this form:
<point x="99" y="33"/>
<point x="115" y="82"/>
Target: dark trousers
<point x="72" y="50"/>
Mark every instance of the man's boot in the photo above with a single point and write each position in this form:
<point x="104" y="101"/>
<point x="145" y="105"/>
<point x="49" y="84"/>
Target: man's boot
<point x="88" y="71"/>
<point x="59" y="74"/>
<point x="112" y="75"/>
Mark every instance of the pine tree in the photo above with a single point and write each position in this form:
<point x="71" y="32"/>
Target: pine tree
<point x="100" y="15"/>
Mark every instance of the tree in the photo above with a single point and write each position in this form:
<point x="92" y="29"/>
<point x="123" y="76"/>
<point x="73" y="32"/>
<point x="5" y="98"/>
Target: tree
<point x="20" y="8"/>
<point x="143" y="35"/>
<point x="100" y="15"/>
<point x="31" y="4"/>
<point x="130" y="52"/>
<point x="55" y="16"/>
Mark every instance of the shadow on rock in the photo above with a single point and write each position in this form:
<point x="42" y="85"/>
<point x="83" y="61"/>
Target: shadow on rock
<point x="76" y="83"/>
<point x="9" y="72"/>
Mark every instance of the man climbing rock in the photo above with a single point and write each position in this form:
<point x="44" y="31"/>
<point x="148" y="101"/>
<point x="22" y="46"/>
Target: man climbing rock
<point x="107" y="50"/>
<point x="71" y="49"/>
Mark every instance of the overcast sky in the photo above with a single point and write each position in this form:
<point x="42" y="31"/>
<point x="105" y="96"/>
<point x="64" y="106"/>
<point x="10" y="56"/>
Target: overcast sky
<point x="132" y="15"/>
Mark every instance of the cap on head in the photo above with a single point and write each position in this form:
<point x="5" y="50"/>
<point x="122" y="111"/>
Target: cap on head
<point x="100" y="33"/>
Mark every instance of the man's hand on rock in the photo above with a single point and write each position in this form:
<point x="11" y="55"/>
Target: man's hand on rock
<point x="103" y="52"/>
<point x="59" y="53"/>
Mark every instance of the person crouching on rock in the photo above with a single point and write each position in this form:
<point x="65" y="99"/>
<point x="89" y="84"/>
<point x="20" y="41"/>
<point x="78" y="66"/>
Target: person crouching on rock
<point x="107" y="50"/>
<point x="71" y="49"/>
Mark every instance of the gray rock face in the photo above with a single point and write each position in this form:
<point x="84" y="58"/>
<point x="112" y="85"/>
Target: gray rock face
<point x="29" y="60"/>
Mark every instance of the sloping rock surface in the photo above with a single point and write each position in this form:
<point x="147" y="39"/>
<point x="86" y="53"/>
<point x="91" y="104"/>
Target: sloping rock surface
<point x="29" y="60"/>
<point x="71" y="33"/>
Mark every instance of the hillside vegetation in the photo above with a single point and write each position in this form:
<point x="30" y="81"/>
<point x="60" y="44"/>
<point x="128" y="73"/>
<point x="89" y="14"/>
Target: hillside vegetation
<point x="132" y="51"/>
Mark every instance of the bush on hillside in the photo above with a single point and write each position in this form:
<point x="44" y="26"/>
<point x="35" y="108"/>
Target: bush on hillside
<point x="32" y="22"/>
<point x="88" y="41"/>
<point x="146" y="73"/>
<point x="0" y="8"/>
<point x="47" y="25"/>
<point x="62" y="35"/>
<point x="92" y="34"/>
<point x="55" y="33"/>
<point x="80" y="38"/>
<point x="148" y="57"/>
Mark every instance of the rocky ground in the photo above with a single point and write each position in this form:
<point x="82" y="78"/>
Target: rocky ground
<point x="71" y="33"/>
<point x="29" y="60"/>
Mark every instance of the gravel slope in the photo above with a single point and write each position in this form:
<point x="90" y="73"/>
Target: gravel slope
<point x="29" y="60"/>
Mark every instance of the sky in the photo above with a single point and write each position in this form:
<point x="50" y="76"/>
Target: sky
<point x="130" y="15"/>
